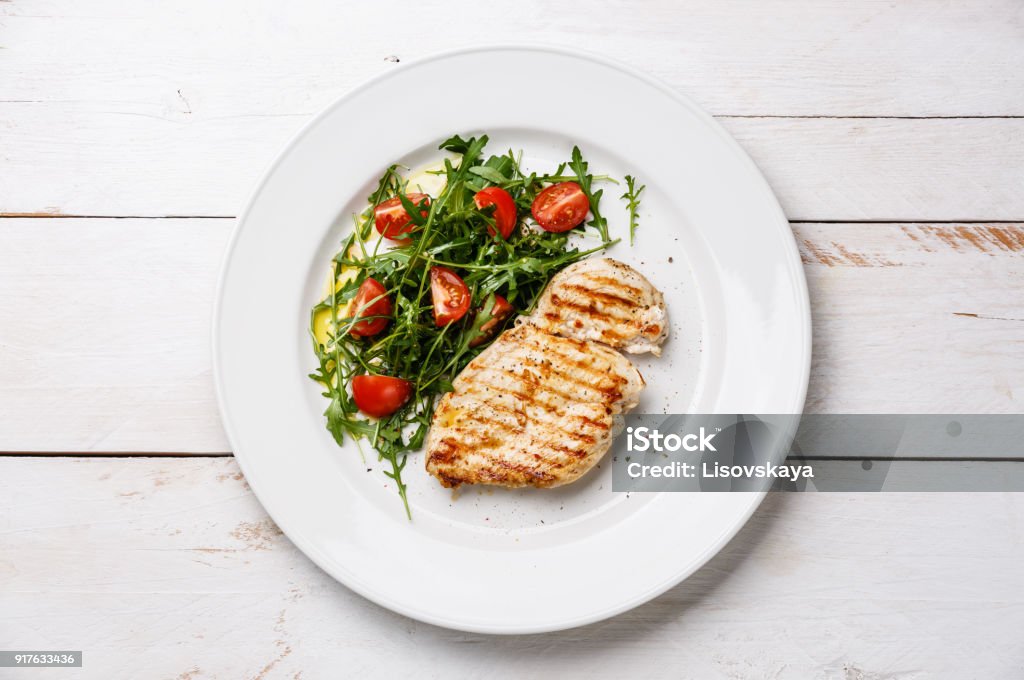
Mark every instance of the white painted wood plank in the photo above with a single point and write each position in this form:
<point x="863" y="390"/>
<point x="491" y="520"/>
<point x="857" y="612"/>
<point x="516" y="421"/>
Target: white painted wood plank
<point x="105" y="334"/>
<point x="105" y="327"/>
<point x="915" y="318"/>
<point x="170" y="568"/>
<point x="892" y="170"/>
<point x="782" y="57"/>
<point x="96" y="158"/>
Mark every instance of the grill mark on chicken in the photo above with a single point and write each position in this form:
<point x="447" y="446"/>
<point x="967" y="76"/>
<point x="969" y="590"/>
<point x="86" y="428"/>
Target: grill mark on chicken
<point x="606" y="333"/>
<point x="611" y="390"/>
<point x="590" y="308"/>
<point x="473" y="425"/>
<point x="568" y="361"/>
<point x="527" y="470"/>
<point x="613" y="283"/>
<point x="521" y="396"/>
<point x="483" y="391"/>
<point x="534" y="387"/>
<point x="529" y="398"/>
<point x="592" y="312"/>
<point x="549" y="369"/>
<point x="466" y="438"/>
<point x="521" y="415"/>
<point x="576" y="364"/>
<point x="603" y="296"/>
<point x="447" y="481"/>
<point x="443" y="452"/>
<point x="574" y="453"/>
<point x="590" y="422"/>
<point x="552" y="423"/>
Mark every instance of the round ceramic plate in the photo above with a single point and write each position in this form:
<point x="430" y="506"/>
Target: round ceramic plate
<point x="711" y="236"/>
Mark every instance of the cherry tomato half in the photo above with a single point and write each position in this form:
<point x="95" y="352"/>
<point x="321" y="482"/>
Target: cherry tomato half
<point x="560" y="207"/>
<point x="501" y="310"/>
<point x="380" y="395"/>
<point x="450" y="294"/>
<point x="371" y="300"/>
<point x="505" y="216"/>
<point x="391" y="219"/>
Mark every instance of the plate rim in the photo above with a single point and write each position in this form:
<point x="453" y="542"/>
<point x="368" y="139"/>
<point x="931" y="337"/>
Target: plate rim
<point x="311" y="551"/>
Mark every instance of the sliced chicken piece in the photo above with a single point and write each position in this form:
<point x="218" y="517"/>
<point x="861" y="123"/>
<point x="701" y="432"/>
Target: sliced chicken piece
<point x="533" y="409"/>
<point x="606" y="301"/>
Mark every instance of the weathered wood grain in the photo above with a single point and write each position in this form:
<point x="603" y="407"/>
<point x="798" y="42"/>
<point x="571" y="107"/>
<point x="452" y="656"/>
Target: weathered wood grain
<point x="192" y="59"/>
<point x="185" y="125"/>
<point x="105" y="333"/>
<point x="61" y="160"/>
<point x="915" y="318"/>
<point x="890" y="170"/>
<point x="170" y="569"/>
<point x="105" y="327"/>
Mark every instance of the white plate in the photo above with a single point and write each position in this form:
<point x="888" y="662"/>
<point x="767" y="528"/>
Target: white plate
<point x="712" y="236"/>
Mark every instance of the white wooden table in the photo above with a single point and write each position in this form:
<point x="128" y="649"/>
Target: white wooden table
<point x="130" y="135"/>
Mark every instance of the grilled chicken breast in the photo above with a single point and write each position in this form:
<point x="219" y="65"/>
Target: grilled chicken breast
<point x="606" y="301"/>
<point x="536" y="407"/>
<point x="533" y="409"/>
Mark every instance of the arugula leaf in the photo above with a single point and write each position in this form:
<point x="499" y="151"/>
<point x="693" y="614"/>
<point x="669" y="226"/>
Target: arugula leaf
<point x="489" y="174"/>
<point x="482" y="317"/>
<point x="632" y="198"/>
<point x="586" y="180"/>
<point x="336" y="417"/>
<point x="414" y="210"/>
<point x="455" y="143"/>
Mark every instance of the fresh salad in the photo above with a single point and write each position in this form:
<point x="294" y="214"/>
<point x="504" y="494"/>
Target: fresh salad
<point x="424" y="283"/>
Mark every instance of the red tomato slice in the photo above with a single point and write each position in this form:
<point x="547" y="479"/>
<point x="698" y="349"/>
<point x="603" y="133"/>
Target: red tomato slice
<point x="380" y="395"/>
<point x="368" y="302"/>
<point x="501" y="310"/>
<point x="391" y="219"/>
<point x="560" y="207"/>
<point x="505" y="216"/>
<point x="450" y="294"/>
